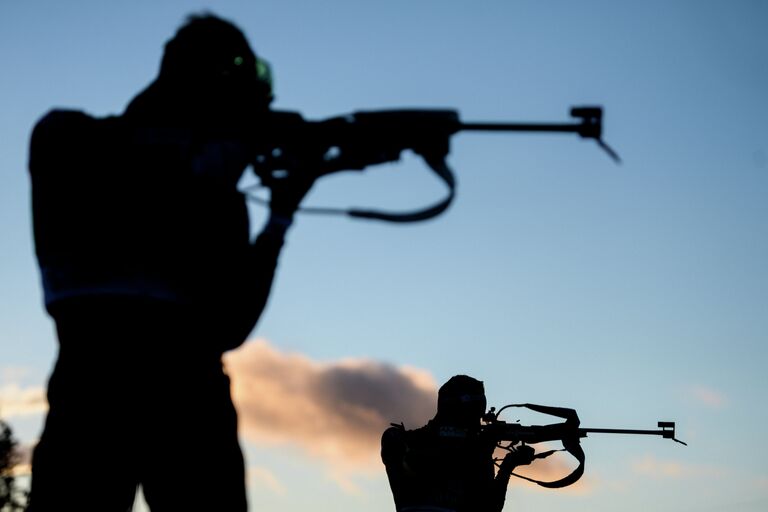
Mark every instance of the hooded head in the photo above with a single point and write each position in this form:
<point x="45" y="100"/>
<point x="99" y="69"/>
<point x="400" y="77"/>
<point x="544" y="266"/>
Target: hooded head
<point x="209" y="70"/>
<point x="461" y="401"/>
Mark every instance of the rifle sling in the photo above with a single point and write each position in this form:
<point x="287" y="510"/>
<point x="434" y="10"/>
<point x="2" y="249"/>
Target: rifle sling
<point x="438" y="164"/>
<point x="570" y="444"/>
<point x="572" y="478"/>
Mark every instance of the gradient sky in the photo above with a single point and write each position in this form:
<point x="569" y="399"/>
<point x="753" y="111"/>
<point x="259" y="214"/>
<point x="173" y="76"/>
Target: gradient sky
<point x="632" y="293"/>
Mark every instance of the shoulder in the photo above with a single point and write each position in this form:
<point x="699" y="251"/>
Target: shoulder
<point x="59" y="121"/>
<point x="396" y="438"/>
<point x="394" y="435"/>
<point x="393" y="443"/>
<point x="60" y="124"/>
<point x="60" y="134"/>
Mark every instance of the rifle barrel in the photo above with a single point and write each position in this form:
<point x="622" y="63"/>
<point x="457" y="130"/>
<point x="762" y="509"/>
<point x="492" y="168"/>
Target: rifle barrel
<point x="621" y="431"/>
<point x="523" y="127"/>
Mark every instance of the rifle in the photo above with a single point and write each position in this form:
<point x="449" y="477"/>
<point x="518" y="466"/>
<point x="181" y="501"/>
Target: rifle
<point x="569" y="432"/>
<point x="288" y="143"/>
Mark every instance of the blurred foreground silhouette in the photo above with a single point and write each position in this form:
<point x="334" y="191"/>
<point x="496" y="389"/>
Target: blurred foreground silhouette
<point x="149" y="273"/>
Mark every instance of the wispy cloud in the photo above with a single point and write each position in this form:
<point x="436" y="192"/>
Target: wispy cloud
<point x="344" y="481"/>
<point x="708" y="397"/>
<point x="21" y="470"/>
<point x="262" y="476"/>
<point x="657" y="468"/>
<point x="552" y="468"/>
<point x="18" y="401"/>
<point x="13" y="373"/>
<point x="334" y="411"/>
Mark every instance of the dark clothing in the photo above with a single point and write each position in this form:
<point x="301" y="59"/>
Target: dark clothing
<point x="124" y="207"/>
<point x="137" y="396"/>
<point x="143" y="244"/>
<point x="442" y="468"/>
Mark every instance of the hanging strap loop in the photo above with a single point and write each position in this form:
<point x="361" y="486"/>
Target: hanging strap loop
<point x="438" y="164"/>
<point x="569" y="431"/>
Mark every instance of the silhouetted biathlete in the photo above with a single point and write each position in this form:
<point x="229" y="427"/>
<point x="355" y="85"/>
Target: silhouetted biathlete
<point x="149" y="272"/>
<point x="447" y="465"/>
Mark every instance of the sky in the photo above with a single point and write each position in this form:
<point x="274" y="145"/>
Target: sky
<point x="632" y="293"/>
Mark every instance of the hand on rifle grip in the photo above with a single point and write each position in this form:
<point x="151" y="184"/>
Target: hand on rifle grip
<point x="288" y="191"/>
<point x="518" y="456"/>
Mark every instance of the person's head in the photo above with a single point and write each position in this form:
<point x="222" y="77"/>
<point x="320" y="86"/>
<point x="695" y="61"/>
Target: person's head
<point x="210" y="62"/>
<point x="461" y="401"/>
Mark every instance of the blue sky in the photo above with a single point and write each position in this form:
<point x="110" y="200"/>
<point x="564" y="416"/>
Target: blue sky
<point x="632" y="293"/>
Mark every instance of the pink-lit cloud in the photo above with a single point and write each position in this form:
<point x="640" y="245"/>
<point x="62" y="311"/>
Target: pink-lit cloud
<point x="334" y="411"/>
<point x="18" y="401"/>
<point x="657" y="468"/>
<point x="262" y="476"/>
<point x="708" y="397"/>
<point x="550" y="469"/>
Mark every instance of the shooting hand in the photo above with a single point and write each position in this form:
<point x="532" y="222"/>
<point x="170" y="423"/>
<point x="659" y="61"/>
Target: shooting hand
<point x="518" y="456"/>
<point x="288" y="192"/>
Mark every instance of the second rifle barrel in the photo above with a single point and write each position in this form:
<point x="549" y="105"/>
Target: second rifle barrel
<point x="621" y="431"/>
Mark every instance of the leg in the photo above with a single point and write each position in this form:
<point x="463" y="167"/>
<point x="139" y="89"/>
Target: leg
<point x="197" y="463"/>
<point x="83" y="460"/>
<point x="138" y="395"/>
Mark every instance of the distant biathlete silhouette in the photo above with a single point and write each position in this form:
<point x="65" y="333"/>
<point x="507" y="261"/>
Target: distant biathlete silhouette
<point x="448" y="465"/>
<point x="150" y="275"/>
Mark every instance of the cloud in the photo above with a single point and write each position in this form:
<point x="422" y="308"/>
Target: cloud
<point x="13" y="373"/>
<point x="18" y="401"/>
<point x="334" y="411"/>
<point x="554" y="467"/>
<point x="345" y="483"/>
<point x="263" y="476"/>
<point x="651" y="466"/>
<point x="21" y="470"/>
<point x="708" y="397"/>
